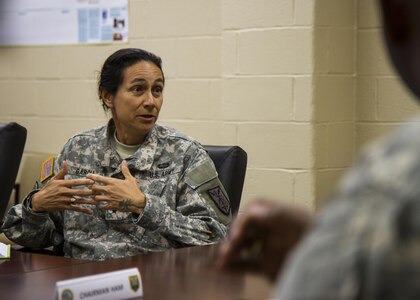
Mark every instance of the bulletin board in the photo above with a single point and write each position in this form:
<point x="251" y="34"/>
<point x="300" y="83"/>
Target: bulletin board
<point x="55" y="22"/>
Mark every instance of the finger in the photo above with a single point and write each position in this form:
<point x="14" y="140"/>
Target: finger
<point x="88" y="201"/>
<point x="81" y="209"/>
<point x="83" y="200"/>
<point x="243" y="257"/>
<point x="72" y="200"/>
<point x="82" y="192"/>
<point x="125" y="170"/>
<point x="232" y="246"/>
<point x="251" y="214"/>
<point x="104" y="205"/>
<point x="69" y="192"/>
<point x="62" y="172"/>
<point x="99" y="198"/>
<point x="78" y="182"/>
<point x="239" y="227"/>
<point x="98" y="189"/>
<point x="245" y="234"/>
<point x="222" y="261"/>
<point x="103" y="202"/>
<point x="99" y="178"/>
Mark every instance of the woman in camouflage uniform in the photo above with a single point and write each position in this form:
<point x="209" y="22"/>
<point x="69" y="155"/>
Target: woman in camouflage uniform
<point x="129" y="187"/>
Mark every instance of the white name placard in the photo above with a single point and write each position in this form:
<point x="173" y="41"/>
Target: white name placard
<point x="122" y="284"/>
<point x="4" y="251"/>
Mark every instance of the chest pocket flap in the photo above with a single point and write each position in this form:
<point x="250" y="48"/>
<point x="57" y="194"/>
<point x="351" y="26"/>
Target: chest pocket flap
<point x="153" y="187"/>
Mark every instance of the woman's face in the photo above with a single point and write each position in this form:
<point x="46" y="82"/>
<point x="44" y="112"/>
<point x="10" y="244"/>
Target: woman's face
<point x="136" y="105"/>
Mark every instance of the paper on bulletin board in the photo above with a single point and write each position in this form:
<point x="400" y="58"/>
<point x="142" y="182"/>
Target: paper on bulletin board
<point x="55" y="22"/>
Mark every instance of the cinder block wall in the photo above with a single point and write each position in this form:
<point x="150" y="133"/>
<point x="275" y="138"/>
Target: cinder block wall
<point x="238" y="72"/>
<point x="266" y="79"/>
<point x="383" y="102"/>
<point x="358" y="96"/>
<point x="334" y="92"/>
<point x="301" y="85"/>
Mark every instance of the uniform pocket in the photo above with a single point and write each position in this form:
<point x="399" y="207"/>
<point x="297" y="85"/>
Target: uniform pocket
<point x="153" y="187"/>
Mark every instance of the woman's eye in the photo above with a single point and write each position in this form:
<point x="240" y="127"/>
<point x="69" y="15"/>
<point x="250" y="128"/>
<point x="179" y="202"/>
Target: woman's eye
<point x="137" y="89"/>
<point x="158" y="90"/>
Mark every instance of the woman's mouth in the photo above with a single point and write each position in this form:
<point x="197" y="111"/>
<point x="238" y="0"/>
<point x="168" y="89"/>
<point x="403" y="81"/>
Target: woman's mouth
<point x="147" y="118"/>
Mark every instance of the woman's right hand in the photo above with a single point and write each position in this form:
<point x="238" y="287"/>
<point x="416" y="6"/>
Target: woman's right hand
<point x="59" y="194"/>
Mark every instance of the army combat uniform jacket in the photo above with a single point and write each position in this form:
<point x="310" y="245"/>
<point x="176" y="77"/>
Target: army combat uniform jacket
<point x="366" y="243"/>
<point x="185" y="202"/>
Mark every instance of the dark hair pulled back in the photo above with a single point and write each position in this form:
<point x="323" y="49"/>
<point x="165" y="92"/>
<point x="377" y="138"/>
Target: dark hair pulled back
<point x="112" y="73"/>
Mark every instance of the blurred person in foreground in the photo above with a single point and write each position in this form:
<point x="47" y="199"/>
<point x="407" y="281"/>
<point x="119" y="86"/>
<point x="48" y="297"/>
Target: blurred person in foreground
<point x="366" y="243"/>
<point x="131" y="186"/>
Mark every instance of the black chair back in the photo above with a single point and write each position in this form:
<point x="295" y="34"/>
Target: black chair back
<point x="230" y="162"/>
<point x="12" y="143"/>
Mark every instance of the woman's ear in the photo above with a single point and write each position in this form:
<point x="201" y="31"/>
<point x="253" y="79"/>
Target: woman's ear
<point x="107" y="99"/>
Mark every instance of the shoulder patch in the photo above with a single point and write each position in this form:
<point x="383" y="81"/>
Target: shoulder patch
<point x="47" y="169"/>
<point x="220" y="199"/>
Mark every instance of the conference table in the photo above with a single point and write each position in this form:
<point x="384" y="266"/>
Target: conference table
<point x="188" y="273"/>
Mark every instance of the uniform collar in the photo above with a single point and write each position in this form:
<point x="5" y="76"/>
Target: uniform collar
<point x="142" y="159"/>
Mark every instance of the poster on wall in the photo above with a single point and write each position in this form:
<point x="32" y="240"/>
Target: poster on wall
<point x="57" y="22"/>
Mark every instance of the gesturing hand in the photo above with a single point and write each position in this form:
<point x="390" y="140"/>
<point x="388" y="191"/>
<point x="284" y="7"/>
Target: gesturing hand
<point x="59" y="194"/>
<point x="261" y="239"/>
<point x="118" y="194"/>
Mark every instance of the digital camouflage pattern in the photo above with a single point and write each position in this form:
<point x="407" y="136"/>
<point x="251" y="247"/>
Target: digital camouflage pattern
<point x="175" y="173"/>
<point x="366" y="243"/>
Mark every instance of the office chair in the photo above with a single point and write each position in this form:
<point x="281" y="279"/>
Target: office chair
<point x="230" y="162"/>
<point x="12" y="143"/>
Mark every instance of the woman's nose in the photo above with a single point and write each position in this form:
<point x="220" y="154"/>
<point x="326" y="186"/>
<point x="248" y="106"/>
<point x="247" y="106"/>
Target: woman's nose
<point x="150" y="100"/>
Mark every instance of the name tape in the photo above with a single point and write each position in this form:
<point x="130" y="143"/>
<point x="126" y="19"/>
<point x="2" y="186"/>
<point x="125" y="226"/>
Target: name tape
<point x="117" y="285"/>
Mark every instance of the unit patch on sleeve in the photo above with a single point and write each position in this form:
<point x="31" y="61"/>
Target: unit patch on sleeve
<point x="220" y="199"/>
<point x="47" y="169"/>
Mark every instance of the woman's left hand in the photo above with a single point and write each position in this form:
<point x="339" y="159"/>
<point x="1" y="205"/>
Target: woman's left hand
<point x="118" y="194"/>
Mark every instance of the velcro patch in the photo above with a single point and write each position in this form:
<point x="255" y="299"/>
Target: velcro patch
<point x="47" y="169"/>
<point x="220" y="199"/>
